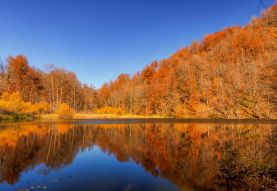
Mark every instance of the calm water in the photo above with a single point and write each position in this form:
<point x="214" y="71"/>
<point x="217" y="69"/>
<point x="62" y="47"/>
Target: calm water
<point x="137" y="155"/>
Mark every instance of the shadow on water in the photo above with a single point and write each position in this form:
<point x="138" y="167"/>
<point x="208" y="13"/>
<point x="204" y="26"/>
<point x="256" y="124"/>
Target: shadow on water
<point x="156" y="156"/>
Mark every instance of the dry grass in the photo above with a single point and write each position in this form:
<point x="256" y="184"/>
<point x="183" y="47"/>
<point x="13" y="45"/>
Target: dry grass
<point x="111" y="116"/>
<point x="50" y="116"/>
<point x="99" y="116"/>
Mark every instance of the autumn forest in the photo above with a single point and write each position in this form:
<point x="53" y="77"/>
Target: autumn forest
<point x="229" y="74"/>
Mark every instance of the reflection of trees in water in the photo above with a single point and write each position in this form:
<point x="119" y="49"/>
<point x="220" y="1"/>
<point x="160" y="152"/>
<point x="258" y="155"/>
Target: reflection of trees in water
<point x="218" y="157"/>
<point x="249" y="162"/>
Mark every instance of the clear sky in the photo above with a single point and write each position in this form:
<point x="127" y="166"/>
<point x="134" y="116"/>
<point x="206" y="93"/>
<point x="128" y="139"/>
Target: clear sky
<point x="100" y="39"/>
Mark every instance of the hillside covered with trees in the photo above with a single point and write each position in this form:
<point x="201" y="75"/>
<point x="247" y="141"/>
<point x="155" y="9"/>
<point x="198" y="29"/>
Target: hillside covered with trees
<point x="229" y="74"/>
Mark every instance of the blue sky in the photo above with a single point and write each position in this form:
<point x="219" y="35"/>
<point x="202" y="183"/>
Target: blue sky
<point x="100" y="39"/>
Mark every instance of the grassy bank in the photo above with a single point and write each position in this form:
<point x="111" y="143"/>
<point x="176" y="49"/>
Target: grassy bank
<point x="98" y="116"/>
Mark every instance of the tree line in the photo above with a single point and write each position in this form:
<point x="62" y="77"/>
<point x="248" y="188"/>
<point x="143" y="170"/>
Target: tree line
<point x="229" y="74"/>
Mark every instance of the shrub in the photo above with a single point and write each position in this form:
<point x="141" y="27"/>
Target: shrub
<point x="12" y="103"/>
<point x="64" y="111"/>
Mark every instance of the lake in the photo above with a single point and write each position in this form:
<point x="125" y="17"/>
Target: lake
<point x="138" y="155"/>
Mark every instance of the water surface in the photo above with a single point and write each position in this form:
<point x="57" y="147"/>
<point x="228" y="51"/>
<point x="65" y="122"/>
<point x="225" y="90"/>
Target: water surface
<point x="129" y="155"/>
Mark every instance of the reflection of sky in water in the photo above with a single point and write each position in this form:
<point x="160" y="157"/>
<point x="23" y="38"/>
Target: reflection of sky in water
<point x="91" y="169"/>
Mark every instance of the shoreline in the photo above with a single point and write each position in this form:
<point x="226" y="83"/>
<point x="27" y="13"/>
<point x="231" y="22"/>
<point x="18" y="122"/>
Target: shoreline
<point x="126" y="119"/>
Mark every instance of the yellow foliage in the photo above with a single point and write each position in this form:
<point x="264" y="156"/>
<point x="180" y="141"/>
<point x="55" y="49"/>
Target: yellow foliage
<point x="110" y="110"/>
<point x="64" y="111"/>
<point x="12" y="103"/>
